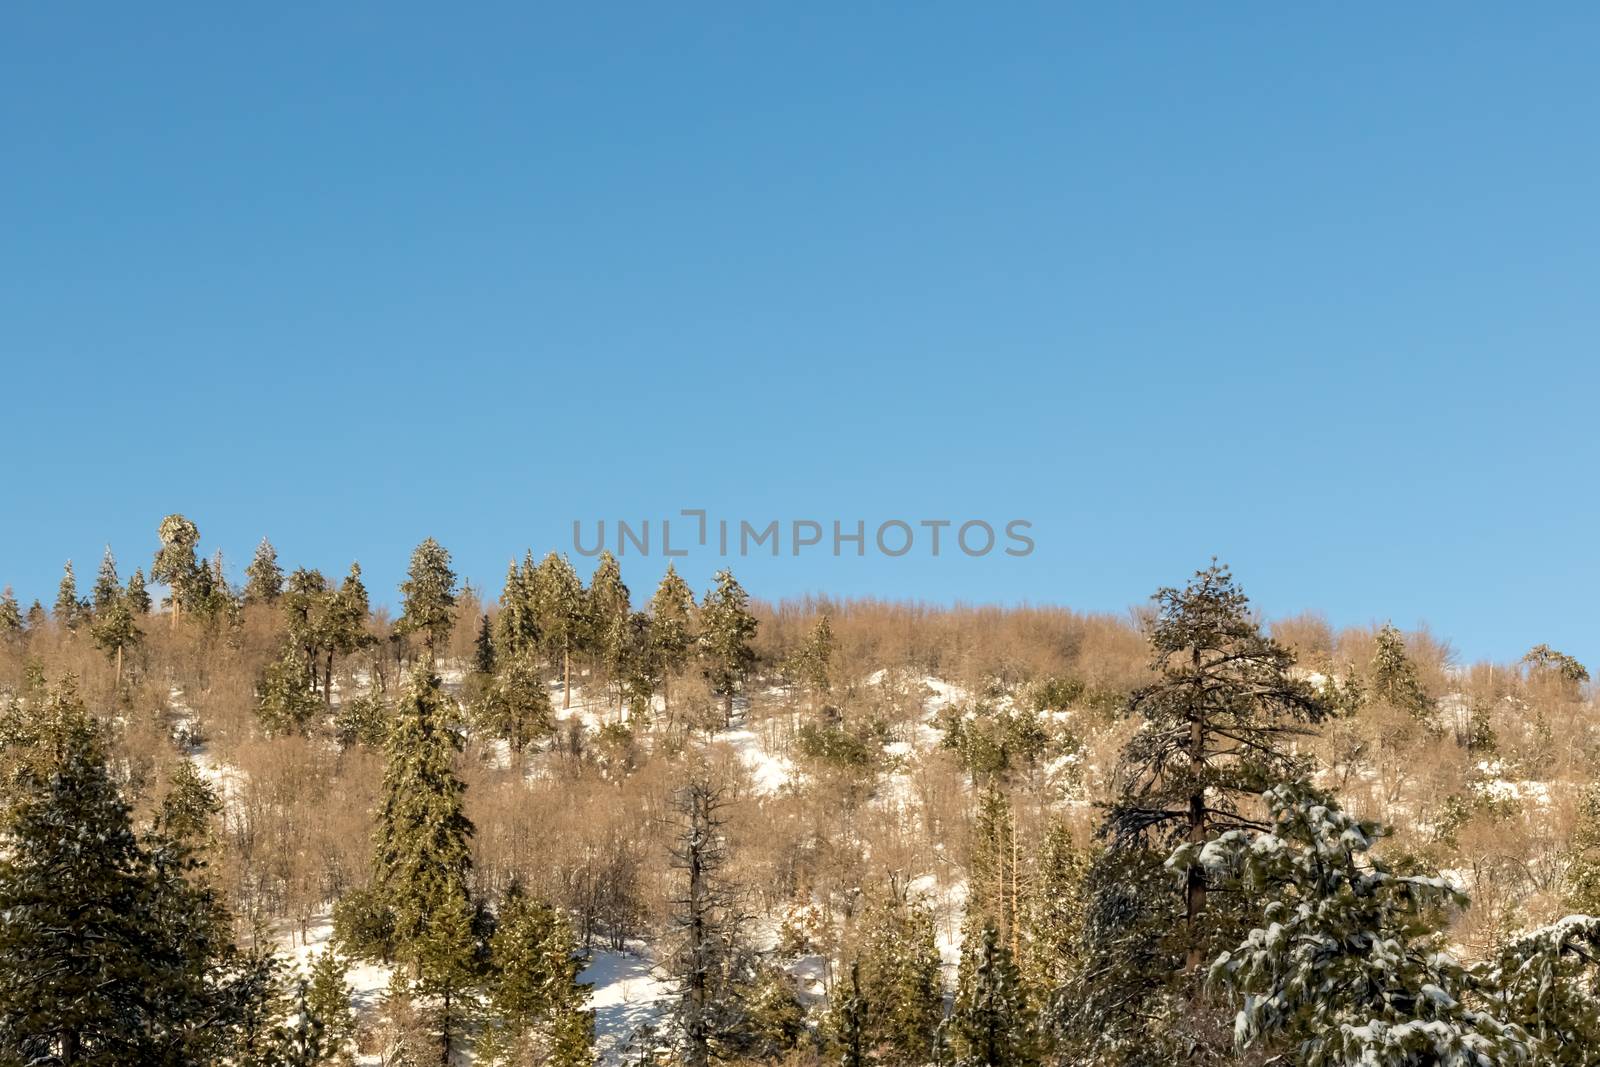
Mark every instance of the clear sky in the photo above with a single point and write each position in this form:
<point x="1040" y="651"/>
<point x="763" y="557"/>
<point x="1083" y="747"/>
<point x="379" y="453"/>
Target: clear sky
<point x="1313" y="291"/>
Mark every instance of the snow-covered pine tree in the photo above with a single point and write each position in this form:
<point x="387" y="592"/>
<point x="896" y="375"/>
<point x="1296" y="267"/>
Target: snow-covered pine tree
<point x="558" y="603"/>
<point x="726" y="630"/>
<point x="428" y="596"/>
<point x="285" y="703"/>
<point x="1348" y="966"/>
<point x="1581" y="890"/>
<point x="107" y="586"/>
<point x="1547" y="983"/>
<point x="1053" y="916"/>
<point x="672" y="634"/>
<point x="607" y="615"/>
<point x="995" y="886"/>
<point x="538" y="1005"/>
<point x="105" y="957"/>
<point x="1394" y="676"/>
<point x="516" y="627"/>
<point x="263" y="578"/>
<point x="422" y="844"/>
<point x="69" y="610"/>
<point x="138" y="596"/>
<point x="346" y="633"/>
<point x="175" y="564"/>
<point x="897" y="976"/>
<point x="11" y="625"/>
<point x="483" y="654"/>
<point x="991" y="1023"/>
<point x="115" y="630"/>
<point x="515" y="706"/>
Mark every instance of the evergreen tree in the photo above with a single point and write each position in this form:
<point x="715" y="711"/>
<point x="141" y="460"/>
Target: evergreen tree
<point x="1217" y="724"/>
<point x="175" y="563"/>
<point x="114" y="629"/>
<point x="995" y="888"/>
<point x="327" y="999"/>
<point x="558" y="609"/>
<point x="897" y="978"/>
<point x="606" y="617"/>
<point x="813" y="661"/>
<point x="1053" y="919"/>
<point x="89" y="969"/>
<point x="429" y="596"/>
<point x="70" y="611"/>
<point x="516" y="707"/>
<point x="449" y="968"/>
<point x="346" y="631"/>
<point x="1545" y="984"/>
<point x="1582" y="889"/>
<point x="726" y="630"/>
<point x="672" y="635"/>
<point x="422" y="843"/>
<point x="11" y="625"/>
<point x="847" y="1021"/>
<point x="991" y="1024"/>
<point x="137" y="596"/>
<point x="263" y="578"/>
<point x="483" y="656"/>
<point x="107" y="586"/>
<point x="285" y="704"/>
<point x="1394" y="676"/>
<point x="1349" y="964"/>
<point x="309" y="608"/>
<point x="516" y="629"/>
<point x="539" y="1004"/>
<point x="36" y="616"/>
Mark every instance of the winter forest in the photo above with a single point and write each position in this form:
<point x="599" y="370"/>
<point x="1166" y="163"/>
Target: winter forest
<point x="259" y="822"/>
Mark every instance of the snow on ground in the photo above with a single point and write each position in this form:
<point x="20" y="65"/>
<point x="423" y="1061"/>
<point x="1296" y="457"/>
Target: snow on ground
<point x="626" y="995"/>
<point x="769" y="771"/>
<point x="948" y="903"/>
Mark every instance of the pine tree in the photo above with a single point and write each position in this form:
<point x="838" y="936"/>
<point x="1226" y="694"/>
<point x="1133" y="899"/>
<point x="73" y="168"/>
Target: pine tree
<point x="175" y="563"/>
<point x="1349" y="964"/>
<point x="90" y="968"/>
<point x="483" y="655"/>
<point x="1217" y="726"/>
<point x="558" y="603"/>
<point x="516" y="627"/>
<point x="1053" y="918"/>
<point x="422" y="844"/>
<point x="995" y="886"/>
<point x="897" y="977"/>
<point x="539" y="1004"/>
<point x="346" y="631"/>
<point x="991" y="1024"/>
<point x="1394" y="676"/>
<point x="69" y="611"/>
<point x="263" y="578"/>
<point x="847" y="1022"/>
<point x="137" y="596"/>
<point x="726" y="630"/>
<point x="107" y="586"/>
<point x="327" y="999"/>
<point x="672" y="635"/>
<point x="114" y="629"/>
<point x="812" y="662"/>
<point x="36" y="617"/>
<point x="285" y="704"/>
<point x="606" y="616"/>
<point x="1582" y="889"/>
<point x="449" y="969"/>
<point x="516" y="706"/>
<point x="11" y="625"/>
<point x="429" y="596"/>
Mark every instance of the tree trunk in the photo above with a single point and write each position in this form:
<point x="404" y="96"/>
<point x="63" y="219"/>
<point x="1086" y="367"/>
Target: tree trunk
<point x="1194" y="891"/>
<point x="566" y="678"/>
<point x="119" y="666"/>
<point x="327" y="682"/>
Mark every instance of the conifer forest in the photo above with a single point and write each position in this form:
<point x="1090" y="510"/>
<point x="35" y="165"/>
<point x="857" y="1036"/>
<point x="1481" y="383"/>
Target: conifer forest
<point x="248" y="818"/>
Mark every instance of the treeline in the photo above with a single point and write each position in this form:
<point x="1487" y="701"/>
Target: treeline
<point x="1138" y="841"/>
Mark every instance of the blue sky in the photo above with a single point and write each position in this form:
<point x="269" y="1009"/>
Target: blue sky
<point x="1310" y="291"/>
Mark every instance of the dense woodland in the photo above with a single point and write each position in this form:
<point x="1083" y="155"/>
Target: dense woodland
<point x="844" y="832"/>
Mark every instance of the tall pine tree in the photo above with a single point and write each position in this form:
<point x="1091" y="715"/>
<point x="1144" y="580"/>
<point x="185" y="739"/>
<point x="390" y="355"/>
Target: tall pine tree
<point x="726" y="630"/>
<point x="429" y="596"/>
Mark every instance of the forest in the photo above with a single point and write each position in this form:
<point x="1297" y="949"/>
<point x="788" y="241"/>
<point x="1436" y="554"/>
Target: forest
<point x="255" y="820"/>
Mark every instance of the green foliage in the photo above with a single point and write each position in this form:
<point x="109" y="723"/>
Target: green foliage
<point x="138" y="597"/>
<point x="284" y="702"/>
<point x="107" y="586"/>
<point x="11" y="624"/>
<point x="263" y="578"/>
<point x="515" y="706"/>
<point x="1053" y="918"/>
<point x="1394" y="676"/>
<point x="539" y="1005"/>
<point x="1348" y="965"/>
<point x="993" y="743"/>
<point x="833" y="744"/>
<point x="991" y="1023"/>
<point x="897" y="981"/>
<point x="1582" y="889"/>
<point x="363" y="720"/>
<point x="1545" y="662"/>
<point x="726" y="630"/>
<point x="421" y="848"/>
<point x="70" y="611"/>
<point x="672" y="634"/>
<point x="428" y="596"/>
<point x="175" y="564"/>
